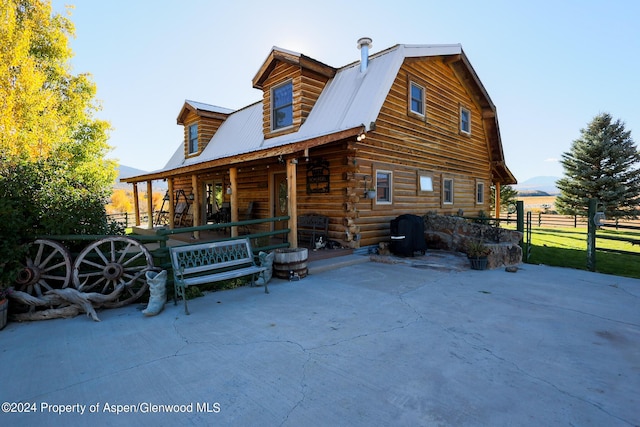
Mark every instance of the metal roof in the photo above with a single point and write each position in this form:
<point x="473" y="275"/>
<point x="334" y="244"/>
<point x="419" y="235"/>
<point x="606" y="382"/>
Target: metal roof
<point x="208" y="107"/>
<point x="351" y="99"/>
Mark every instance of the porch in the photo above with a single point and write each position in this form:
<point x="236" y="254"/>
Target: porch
<point x="260" y="241"/>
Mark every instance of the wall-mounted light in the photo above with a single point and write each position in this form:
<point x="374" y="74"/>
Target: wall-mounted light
<point x="191" y="196"/>
<point x="361" y="137"/>
<point x="229" y="189"/>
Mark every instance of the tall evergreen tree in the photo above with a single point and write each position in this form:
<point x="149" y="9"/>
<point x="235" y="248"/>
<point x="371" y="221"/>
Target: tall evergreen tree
<point x="603" y="163"/>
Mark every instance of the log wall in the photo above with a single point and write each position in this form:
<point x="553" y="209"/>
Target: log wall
<point x="307" y="86"/>
<point x="207" y="127"/>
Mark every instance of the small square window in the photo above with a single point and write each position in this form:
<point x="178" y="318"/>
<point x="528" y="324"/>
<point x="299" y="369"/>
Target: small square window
<point x="426" y="183"/>
<point x="193" y="138"/>
<point x="447" y="191"/>
<point x="480" y="193"/>
<point x="465" y="120"/>
<point x="282" y="106"/>
<point x="384" y="181"/>
<point x="416" y="99"/>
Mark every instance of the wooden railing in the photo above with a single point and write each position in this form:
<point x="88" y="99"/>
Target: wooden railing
<point x="260" y="241"/>
<point x="553" y="220"/>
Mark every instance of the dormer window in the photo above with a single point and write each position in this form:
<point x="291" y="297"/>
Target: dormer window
<point x="193" y="138"/>
<point x="282" y="106"/>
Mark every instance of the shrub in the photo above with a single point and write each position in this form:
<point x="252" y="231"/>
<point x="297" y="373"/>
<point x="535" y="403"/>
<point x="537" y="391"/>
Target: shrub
<point x="41" y="198"/>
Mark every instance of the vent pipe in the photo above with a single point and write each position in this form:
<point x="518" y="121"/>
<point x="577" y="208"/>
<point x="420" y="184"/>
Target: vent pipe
<point x="364" y="44"/>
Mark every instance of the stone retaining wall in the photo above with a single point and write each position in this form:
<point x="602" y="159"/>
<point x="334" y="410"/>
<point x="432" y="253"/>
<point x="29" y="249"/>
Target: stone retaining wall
<point x="452" y="233"/>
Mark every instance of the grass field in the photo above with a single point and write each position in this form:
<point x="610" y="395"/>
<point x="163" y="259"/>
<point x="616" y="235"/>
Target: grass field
<point x="538" y="203"/>
<point x="567" y="247"/>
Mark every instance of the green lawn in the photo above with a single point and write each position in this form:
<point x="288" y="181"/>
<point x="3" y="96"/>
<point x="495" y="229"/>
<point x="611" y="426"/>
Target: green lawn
<point x="567" y="247"/>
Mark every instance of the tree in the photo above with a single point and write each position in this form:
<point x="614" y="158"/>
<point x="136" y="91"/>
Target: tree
<point x="54" y="178"/>
<point x="602" y="164"/>
<point x="45" y="111"/>
<point x="508" y="196"/>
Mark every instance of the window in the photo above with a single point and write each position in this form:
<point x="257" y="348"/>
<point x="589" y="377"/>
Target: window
<point x="465" y="120"/>
<point x="480" y="193"/>
<point x="425" y="183"/>
<point x="447" y="191"/>
<point x="416" y="99"/>
<point x="193" y="138"/>
<point x="282" y="106"/>
<point x="384" y="182"/>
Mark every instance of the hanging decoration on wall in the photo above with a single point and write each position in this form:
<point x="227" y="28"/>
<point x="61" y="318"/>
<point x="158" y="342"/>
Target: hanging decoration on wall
<point x="318" y="176"/>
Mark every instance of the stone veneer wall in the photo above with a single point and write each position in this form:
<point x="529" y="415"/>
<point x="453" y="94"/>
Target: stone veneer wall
<point x="452" y="233"/>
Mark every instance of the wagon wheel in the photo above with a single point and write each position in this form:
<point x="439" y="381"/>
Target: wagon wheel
<point x="47" y="266"/>
<point x="109" y="262"/>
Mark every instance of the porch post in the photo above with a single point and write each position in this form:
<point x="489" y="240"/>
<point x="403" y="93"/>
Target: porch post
<point x="292" y="202"/>
<point x="150" y="205"/>
<point x="497" y="200"/>
<point x="195" y="205"/>
<point x="233" y="177"/>
<point x="136" y="203"/>
<point x="172" y="204"/>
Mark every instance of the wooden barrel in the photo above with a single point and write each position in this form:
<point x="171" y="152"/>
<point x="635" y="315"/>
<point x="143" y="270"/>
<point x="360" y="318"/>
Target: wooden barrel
<point x="290" y="261"/>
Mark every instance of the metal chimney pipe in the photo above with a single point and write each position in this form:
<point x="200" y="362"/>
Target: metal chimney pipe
<point x="364" y="44"/>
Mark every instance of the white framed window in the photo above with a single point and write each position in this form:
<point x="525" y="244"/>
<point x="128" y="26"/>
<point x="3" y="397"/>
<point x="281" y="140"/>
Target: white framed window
<point x="282" y="106"/>
<point x="479" y="192"/>
<point x="465" y="120"/>
<point x="425" y="182"/>
<point x="384" y="186"/>
<point x="193" y="138"/>
<point x="447" y="191"/>
<point x="416" y="98"/>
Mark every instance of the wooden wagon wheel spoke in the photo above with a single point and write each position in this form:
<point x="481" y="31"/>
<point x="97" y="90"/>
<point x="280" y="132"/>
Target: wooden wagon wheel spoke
<point x="47" y="266"/>
<point x="97" y="265"/>
<point x="132" y="259"/>
<point x="133" y="290"/>
<point x="107" y="263"/>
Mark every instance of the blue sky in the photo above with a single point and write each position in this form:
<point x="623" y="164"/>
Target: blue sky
<point x="549" y="66"/>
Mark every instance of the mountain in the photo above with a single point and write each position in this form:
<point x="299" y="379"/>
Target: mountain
<point x="127" y="171"/>
<point x="546" y="184"/>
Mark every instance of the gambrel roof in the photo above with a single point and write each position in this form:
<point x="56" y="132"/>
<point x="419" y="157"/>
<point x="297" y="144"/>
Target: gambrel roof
<point x="348" y="105"/>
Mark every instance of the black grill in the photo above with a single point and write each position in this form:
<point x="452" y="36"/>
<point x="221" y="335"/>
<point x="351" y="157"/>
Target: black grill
<point x="407" y="235"/>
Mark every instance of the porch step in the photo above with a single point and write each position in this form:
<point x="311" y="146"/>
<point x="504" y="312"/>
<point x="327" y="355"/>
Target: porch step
<point x="321" y="265"/>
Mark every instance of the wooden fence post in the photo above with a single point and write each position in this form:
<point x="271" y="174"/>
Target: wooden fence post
<point x="591" y="235"/>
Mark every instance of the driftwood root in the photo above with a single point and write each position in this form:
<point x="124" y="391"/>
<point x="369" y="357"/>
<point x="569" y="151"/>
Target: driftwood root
<point x="70" y="303"/>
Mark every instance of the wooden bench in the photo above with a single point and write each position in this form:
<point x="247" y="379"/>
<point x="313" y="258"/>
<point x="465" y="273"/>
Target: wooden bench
<point x="312" y="226"/>
<point x="212" y="262"/>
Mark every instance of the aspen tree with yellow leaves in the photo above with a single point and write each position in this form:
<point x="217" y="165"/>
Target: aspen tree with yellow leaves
<point x="54" y="177"/>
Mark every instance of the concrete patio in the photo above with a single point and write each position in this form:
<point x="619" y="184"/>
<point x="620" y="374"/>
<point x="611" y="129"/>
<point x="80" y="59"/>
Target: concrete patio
<point x="367" y="344"/>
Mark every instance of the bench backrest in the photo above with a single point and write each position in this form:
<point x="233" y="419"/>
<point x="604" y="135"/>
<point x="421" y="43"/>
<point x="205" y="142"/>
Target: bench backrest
<point x="193" y="259"/>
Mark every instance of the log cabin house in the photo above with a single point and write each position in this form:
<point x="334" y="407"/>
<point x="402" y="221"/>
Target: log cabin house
<point x="413" y="124"/>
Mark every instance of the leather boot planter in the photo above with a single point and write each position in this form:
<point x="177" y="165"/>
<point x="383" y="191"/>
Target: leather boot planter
<point x="158" y="292"/>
